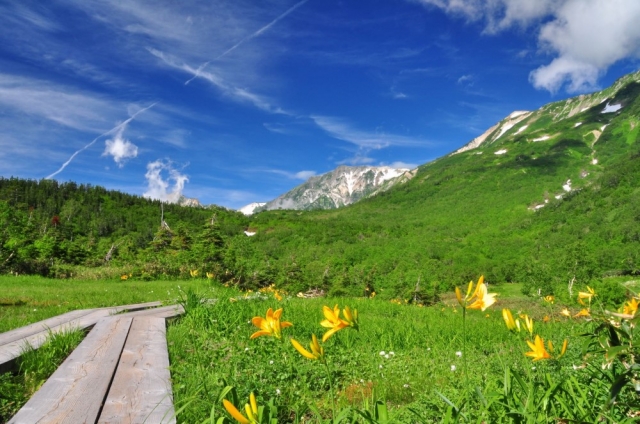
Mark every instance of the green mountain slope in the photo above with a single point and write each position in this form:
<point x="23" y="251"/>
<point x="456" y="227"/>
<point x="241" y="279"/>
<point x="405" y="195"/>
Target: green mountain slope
<point x="499" y="209"/>
<point x="548" y="198"/>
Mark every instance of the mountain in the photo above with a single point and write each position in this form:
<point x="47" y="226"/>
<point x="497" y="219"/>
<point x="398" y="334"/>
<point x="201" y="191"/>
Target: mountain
<point x="547" y="197"/>
<point x="342" y="186"/>
<point x="188" y="201"/>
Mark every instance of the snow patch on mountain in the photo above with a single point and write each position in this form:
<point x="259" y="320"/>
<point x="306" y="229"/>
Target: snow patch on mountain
<point x="251" y="208"/>
<point x="497" y="131"/>
<point x="609" y="108"/>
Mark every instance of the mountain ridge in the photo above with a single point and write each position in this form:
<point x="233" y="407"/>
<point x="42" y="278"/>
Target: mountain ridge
<point x="340" y="187"/>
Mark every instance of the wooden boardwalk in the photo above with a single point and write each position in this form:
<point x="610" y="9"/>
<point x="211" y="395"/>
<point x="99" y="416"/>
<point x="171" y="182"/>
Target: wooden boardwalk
<point x="118" y="374"/>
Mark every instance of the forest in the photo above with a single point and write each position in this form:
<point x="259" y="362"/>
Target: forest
<point x="504" y="216"/>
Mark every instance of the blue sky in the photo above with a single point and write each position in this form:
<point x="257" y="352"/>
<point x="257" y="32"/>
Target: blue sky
<point x="239" y="101"/>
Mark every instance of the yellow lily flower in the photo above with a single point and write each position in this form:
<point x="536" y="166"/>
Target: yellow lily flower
<point x="124" y="277"/>
<point x="333" y="321"/>
<point x="549" y="299"/>
<point x="538" y="351"/>
<point x="464" y="302"/>
<point x="351" y="317"/>
<point x="582" y="313"/>
<point x="317" y="351"/>
<point x="509" y="321"/>
<point x="562" y="351"/>
<point x="271" y="325"/>
<point x="209" y="275"/>
<point x="528" y="324"/>
<point x="631" y="307"/>
<point x="483" y="299"/>
<point x="194" y="272"/>
<point x="590" y="293"/>
<point x="250" y="408"/>
<point x="566" y="313"/>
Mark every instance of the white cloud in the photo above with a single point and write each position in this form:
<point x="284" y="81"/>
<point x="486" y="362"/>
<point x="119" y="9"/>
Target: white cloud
<point x="589" y="36"/>
<point x="164" y="182"/>
<point x="120" y="148"/>
<point x="585" y="36"/>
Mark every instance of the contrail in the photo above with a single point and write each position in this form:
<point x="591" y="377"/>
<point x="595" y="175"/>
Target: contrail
<point x="247" y="38"/>
<point x="116" y="128"/>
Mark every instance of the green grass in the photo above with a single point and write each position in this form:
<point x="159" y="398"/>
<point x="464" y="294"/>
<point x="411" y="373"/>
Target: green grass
<point x="28" y="299"/>
<point x="34" y="367"/>
<point x="420" y="377"/>
<point x="211" y="350"/>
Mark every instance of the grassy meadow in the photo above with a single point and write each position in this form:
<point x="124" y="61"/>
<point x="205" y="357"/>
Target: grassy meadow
<point x="405" y="363"/>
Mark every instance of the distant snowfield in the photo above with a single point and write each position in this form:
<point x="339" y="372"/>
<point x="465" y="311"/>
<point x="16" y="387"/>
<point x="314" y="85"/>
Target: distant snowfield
<point x="577" y="124"/>
<point x="500" y="152"/>
<point x="544" y="137"/>
<point x="611" y="108"/>
<point x="522" y="128"/>
<point x="250" y="208"/>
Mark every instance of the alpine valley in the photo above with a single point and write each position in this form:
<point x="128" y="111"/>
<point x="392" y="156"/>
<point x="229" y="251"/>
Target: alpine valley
<point x="548" y="197"/>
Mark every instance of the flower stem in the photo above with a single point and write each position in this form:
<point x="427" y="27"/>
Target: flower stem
<point x="333" y="402"/>
<point x="464" y="345"/>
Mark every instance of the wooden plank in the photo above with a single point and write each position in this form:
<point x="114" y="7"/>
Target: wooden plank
<point x="141" y="389"/>
<point x="37" y="327"/>
<point x="13" y="349"/>
<point x="164" y="312"/>
<point x="75" y="391"/>
<point x="134" y="307"/>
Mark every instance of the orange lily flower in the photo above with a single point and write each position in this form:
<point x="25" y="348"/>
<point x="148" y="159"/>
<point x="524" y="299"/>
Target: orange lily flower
<point x="631" y="307"/>
<point x="464" y="302"/>
<point x="582" y="313"/>
<point x="250" y="408"/>
<point x="271" y="325"/>
<point x="538" y="351"/>
<point x="333" y="321"/>
<point x="478" y="298"/>
<point x="484" y="299"/>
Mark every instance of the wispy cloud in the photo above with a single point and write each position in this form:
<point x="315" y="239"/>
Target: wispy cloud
<point x="247" y="38"/>
<point x="300" y="175"/>
<point x="235" y="93"/>
<point x="342" y="130"/>
<point x="63" y="105"/>
<point x="401" y="165"/>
